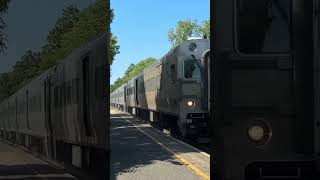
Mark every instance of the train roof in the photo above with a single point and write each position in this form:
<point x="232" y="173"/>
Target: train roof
<point x="174" y="50"/>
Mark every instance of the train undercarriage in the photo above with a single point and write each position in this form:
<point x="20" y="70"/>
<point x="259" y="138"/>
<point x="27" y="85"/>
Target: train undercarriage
<point x="194" y="128"/>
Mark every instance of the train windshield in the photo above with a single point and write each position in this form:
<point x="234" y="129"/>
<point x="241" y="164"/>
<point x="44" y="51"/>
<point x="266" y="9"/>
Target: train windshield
<point x="191" y="69"/>
<point x="263" y="26"/>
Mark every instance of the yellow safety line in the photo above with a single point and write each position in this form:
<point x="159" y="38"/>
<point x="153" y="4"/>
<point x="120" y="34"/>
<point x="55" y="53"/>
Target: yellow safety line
<point x="191" y="166"/>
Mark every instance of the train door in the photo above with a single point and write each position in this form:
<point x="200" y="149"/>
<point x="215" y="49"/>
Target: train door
<point x="27" y="137"/>
<point x="47" y="108"/>
<point x="263" y="124"/>
<point x="27" y="108"/>
<point x="125" y="98"/>
<point x="16" y="119"/>
<point x="206" y="79"/>
<point x="8" y="121"/>
<point x="136" y="90"/>
<point x="86" y="95"/>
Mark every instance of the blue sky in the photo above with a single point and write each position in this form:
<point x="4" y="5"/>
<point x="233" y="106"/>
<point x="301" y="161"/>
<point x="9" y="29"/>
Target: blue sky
<point x="141" y="27"/>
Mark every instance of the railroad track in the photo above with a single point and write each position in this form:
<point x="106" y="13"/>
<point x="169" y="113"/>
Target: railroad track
<point x="205" y="147"/>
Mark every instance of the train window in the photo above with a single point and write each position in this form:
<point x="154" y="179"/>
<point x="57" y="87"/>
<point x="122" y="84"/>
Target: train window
<point x="96" y="80"/>
<point x="55" y="97"/>
<point x="59" y="96"/>
<point x="173" y="73"/>
<point x="75" y="91"/>
<point x="263" y="26"/>
<point x="69" y="88"/>
<point x="40" y="103"/>
<point x="191" y="69"/>
<point x="63" y="89"/>
<point x="33" y="103"/>
<point x="37" y="103"/>
<point x="62" y="95"/>
<point x="99" y="82"/>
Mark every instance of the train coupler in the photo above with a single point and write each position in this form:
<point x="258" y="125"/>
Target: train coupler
<point x="197" y="125"/>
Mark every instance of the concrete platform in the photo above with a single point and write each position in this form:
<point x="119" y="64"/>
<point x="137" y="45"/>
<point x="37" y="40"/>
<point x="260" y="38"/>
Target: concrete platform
<point x="15" y="163"/>
<point x="139" y="151"/>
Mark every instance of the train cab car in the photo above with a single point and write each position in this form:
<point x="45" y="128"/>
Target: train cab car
<point x="265" y="86"/>
<point x="180" y="91"/>
<point x="171" y="92"/>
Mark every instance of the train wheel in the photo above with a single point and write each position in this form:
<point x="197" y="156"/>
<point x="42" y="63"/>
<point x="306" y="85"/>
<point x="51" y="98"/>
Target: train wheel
<point x="187" y="132"/>
<point x="174" y="129"/>
<point x="184" y="133"/>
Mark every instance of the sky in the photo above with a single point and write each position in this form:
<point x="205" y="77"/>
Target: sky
<point x="141" y="27"/>
<point x="28" y="23"/>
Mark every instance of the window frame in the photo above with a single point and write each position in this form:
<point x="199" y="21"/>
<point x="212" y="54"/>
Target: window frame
<point x="173" y="73"/>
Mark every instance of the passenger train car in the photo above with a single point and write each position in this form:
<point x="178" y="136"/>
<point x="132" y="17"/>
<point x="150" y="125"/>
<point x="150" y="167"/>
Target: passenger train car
<point x="171" y="92"/>
<point x="61" y="113"/>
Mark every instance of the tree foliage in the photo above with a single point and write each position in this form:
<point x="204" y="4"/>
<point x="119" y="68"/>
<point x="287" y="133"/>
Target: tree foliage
<point x="65" y="23"/>
<point x="205" y="29"/>
<point x="132" y="71"/>
<point x="3" y="9"/>
<point x="186" y="29"/>
<point x="71" y="30"/>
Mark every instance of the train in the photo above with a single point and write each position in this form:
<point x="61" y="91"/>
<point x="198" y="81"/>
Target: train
<point x="171" y="92"/>
<point x="61" y="114"/>
<point x="266" y="89"/>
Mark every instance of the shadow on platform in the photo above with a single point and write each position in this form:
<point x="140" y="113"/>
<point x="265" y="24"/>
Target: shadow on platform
<point x="131" y="149"/>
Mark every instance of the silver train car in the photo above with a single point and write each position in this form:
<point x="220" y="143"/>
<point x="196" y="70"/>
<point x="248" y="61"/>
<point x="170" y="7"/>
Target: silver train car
<point x="172" y="91"/>
<point x="61" y="114"/>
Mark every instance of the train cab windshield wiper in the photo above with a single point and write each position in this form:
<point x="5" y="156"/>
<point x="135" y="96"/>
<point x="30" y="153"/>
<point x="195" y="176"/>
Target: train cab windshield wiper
<point x="193" y="58"/>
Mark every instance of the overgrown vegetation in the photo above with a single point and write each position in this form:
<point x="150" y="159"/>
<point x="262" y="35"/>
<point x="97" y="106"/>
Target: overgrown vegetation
<point x="133" y="70"/>
<point x="71" y="30"/>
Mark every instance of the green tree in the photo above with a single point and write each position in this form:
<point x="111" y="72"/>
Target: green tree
<point x="205" y="29"/>
<point x="5" y="86"/>
<point x="92" y="22"/>
<point x="114" y="48"/>
<point x="3" y="9"/>
<point x="70" y="16"/>
<point x="183" y="31"/>
<point x="25" y="69"/>
<point x="186" y="29"/>
<point x="132" y="71"/>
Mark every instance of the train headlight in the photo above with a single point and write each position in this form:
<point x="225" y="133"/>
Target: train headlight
<point x="256" y="133"/>
<point x="190" y="103"/>
<point x="259" y="132"/>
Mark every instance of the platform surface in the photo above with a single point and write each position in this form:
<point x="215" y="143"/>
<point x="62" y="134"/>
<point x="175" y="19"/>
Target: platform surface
<point x="16" y="163"/>
<point x="139" y="151"/>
